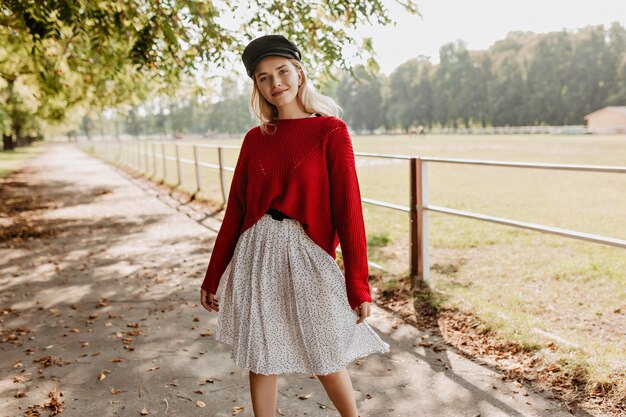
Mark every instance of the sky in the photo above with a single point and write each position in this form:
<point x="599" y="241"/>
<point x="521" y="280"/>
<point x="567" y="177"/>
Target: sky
<point x="479" y="23"/>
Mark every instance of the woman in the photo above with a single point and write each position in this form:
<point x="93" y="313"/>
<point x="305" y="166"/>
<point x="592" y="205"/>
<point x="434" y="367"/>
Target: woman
<point x="286" y="305"/>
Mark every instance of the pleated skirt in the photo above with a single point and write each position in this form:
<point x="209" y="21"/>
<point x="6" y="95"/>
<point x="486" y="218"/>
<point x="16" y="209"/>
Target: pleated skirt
<point x="284" y="306"/>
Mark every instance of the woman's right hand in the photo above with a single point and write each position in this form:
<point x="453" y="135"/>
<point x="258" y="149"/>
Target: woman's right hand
<point x="208" y="301"/>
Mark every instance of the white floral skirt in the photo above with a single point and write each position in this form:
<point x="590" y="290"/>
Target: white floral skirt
<point x="284" y="306"/>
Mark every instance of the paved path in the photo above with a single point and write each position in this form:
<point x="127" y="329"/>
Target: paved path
<point x="101" y="304"/>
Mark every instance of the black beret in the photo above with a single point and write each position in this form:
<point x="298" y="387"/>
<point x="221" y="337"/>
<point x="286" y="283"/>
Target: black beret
<point x="267" y="45"/>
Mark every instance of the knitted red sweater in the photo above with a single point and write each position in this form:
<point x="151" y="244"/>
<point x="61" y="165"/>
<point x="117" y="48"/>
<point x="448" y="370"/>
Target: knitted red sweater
<point x="306" y="170"/>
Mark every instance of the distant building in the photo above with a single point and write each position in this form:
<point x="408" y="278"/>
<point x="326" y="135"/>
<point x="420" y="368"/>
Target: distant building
<point x="610" y="119"/>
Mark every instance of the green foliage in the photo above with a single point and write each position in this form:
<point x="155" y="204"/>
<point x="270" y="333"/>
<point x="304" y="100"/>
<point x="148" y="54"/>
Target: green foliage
<point x="525" y="79"/>
<point x="100" y="54"/>
<point x="362" y="96"/>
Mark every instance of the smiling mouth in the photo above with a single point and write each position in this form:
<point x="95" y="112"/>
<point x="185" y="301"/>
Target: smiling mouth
<point x="279" y="93"/>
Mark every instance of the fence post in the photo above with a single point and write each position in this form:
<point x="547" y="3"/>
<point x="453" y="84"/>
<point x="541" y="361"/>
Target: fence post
<point x="419" y="223"/>
<point x="129" y="153"/>
<point x="221" y="171"/>
<point x="138" y="155"/>
<point x="154" y="165"/>
<point x="413" y="223"/>
<point x="177" y="165"/>
<point x="195" y="158"/>
<point x="164" y="162"/>
<point x="423" y="269"/>
<point x="145" y="156"/>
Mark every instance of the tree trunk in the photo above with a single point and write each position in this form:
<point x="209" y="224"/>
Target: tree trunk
<point x="7" y="142"/>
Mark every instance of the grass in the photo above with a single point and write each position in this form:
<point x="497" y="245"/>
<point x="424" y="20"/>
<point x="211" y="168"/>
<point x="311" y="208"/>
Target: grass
<point x="534" y="288"/>
<point x="13" y="159"/>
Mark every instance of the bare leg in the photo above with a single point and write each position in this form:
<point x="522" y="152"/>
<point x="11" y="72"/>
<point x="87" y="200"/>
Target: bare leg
<point x="338" y="386"/>
<point x="263" y="391"/>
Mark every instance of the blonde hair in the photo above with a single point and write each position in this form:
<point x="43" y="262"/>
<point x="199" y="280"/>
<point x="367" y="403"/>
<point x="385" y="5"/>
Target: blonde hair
<point x="311" y="101"/>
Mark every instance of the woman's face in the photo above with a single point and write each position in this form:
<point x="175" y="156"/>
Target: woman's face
<point x="278" y="80"/>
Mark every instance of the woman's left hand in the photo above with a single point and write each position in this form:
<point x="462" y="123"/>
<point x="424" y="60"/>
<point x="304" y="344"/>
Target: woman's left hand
<point x="364" y="310"/>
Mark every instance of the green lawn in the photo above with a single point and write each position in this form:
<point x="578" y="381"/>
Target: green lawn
<point x="13" y="159"/>
<point x="525" y="284"/>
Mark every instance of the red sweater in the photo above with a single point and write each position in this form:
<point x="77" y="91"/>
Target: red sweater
<point x="306" y="170"/>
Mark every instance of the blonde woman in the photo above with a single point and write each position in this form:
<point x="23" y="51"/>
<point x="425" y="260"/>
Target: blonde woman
<point x="286" y="306"/>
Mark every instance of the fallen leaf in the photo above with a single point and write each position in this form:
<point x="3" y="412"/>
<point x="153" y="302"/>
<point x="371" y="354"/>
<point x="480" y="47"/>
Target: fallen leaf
<point x="54" y="404"/>
<point x="50" y="360"/>
<point x="33" y="411"/>
<point x="135" y="332"/>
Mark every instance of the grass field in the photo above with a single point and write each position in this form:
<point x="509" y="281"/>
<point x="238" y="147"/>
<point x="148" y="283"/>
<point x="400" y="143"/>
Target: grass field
<point x="564" y="297"/>
<point x="13" y="159"/>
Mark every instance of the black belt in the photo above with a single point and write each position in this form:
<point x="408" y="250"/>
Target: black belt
<point x="277" y="215"/>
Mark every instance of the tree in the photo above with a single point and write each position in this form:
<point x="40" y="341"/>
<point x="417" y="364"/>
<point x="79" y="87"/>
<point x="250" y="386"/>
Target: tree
<point x="361" y="99"/>
<point x="410" y="99"/>
<point x="453" y="80"/>
<point x="110" y="52"/>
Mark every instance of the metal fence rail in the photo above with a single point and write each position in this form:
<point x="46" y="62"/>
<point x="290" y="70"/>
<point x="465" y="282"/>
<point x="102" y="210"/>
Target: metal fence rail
<point x="136" y="153"/>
